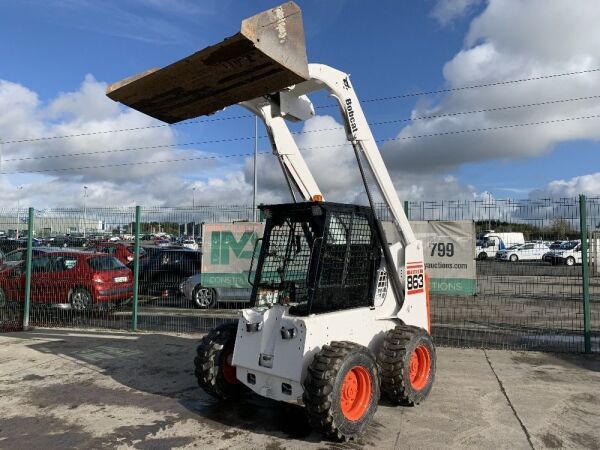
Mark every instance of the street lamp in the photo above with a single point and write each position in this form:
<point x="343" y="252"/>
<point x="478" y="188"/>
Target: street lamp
<point x="489" y="211"/>
<point x="85" y="188"/>
<point x="193" y="206"/>
<point x="255" y="180"/>
<point x="19" y="188"/>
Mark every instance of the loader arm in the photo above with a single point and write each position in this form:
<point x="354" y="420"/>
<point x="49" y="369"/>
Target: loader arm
<point x="284" y="146"/>
<point x="264" y="68"/>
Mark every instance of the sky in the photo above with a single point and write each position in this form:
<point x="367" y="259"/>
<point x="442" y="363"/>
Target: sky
<point x="529" y="139"/>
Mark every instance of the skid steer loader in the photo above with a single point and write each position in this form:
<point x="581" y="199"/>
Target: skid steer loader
<point x="339" y="310"/>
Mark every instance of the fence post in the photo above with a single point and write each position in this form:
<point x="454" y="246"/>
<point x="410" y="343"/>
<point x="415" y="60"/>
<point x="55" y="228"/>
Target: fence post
<point x="407" y="209"/>
<point x="585" y="274"/>
<point x="136" y="270"/>
<point x="28" y="270"/>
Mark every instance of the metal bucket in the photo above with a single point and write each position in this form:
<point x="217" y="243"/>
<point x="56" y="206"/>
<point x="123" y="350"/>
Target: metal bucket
<point x="266" y="56"/>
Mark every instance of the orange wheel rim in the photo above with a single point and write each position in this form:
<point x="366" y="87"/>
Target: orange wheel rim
<point x="226" y="368"/>
<point x="355" y="396"/>
<point x="419" y="367"/>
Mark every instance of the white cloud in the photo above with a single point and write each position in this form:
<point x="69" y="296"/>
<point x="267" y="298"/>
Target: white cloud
<point x="447" y="11"/>
<point x="114" y="177"/>
<point x="585" y="184"/>
<point x="503" y="43"/>
<point x="511" y="39"/>
<point x="334" y="167"/>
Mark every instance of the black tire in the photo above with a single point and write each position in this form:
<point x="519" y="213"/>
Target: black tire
<point x="204" y="298"/>
<point x="570" y="261"/>
<point x="3" y="300"/>
<point x="212" y="370"/>
<point x="323" y="397"/>
<point x="514" y="258"/>
<point x="395" y="357"/>
<point x="482" y="256"/>
<point x="81" y="300"/>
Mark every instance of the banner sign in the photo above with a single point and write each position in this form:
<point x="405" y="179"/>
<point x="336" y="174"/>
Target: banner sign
<point x="227" y="253"/>
<point x="449" y="247"/>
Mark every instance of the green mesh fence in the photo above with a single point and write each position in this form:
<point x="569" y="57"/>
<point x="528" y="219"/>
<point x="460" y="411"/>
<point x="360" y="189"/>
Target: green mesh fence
<point x="82" y="258"/>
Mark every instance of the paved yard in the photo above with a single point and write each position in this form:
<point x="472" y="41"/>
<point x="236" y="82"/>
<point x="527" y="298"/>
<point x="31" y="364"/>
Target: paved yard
<point x="80" y="389"/>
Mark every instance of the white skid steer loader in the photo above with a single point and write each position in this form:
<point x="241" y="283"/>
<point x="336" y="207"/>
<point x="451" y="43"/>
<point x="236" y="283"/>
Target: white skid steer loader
<point x="339" y="309"/>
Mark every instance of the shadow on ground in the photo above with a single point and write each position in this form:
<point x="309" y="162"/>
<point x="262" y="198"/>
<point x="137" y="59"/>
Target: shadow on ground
<point x="161" y="365"/>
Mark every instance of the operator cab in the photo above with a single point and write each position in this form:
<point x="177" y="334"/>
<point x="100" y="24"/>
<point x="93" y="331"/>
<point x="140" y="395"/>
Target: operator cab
<point x="317" y="257"/>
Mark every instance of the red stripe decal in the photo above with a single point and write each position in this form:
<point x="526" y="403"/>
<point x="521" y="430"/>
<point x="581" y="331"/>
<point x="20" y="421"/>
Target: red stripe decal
<point x="416" y="291"/>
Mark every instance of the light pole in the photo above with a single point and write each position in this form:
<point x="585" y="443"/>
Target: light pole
<point x="85" y="188"/>
<point x="489" y="210"/>
<point x="193" y="206"/>
<point x="19" y="188"/>
<point x="255" y="167"/>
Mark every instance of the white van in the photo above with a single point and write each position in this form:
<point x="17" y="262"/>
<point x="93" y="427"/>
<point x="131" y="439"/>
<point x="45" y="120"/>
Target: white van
<point x="489" y="243"/>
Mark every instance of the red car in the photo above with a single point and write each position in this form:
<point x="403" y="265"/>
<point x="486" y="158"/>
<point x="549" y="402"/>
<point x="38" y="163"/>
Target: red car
<point x="70" y="280"/>
<point x="123" y="252"/>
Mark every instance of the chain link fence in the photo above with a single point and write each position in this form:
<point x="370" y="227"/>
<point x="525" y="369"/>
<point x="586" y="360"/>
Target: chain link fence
<point x="74" y="280"/>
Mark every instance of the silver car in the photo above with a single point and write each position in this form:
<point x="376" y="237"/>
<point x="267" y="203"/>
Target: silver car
<point x="205" y="298"/>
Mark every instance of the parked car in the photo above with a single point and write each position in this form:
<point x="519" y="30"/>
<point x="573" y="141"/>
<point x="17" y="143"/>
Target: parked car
<point x="162" y="242"/>
<point x="499" y="253"/>
<point x="530" y="251"/>
<point x="205" y="298"/>
<point x="556" y="245"/>
<point x="67" y="241"/>
<point x="70" y="280"/>
<point x="569" y="257"/>
<point x="123" y="252"/>
<point x="20" y="254"/>
<point x="489" y="243"/>
<point x="189" y="243"/>
<point x="8" y="244"/>
<point x="564" y="252"/>
<point x="162" y="272"/>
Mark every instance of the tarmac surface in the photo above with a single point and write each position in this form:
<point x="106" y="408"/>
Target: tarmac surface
<point x="83" y="389"/>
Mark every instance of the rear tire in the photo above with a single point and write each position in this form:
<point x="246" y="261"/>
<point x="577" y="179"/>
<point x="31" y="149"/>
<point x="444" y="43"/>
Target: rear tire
<point x="341" y="390"/>
<point x="482" y="256"/>
<point x="214" y="371"/>
<point x="3" y="300"/>
<point x="81" y="299"/>
<point x="204" y="298"/>
<point x="408" y="362"/>
<point x="570" y="261"/>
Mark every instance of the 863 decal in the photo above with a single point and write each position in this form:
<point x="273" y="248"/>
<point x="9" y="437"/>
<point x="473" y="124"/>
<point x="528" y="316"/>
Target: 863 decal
<point x="415" y="277"/>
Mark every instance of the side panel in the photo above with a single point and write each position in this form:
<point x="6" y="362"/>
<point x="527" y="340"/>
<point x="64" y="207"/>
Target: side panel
<point x="415" y="311"/>
<point x="291" y="357"/>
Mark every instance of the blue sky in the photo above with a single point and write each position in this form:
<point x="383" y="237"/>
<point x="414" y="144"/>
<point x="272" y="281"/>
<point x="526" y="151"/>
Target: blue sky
<point x="48" y="48"/>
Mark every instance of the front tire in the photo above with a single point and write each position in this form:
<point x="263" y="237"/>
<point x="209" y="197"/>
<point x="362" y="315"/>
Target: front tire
<point x="341" y="390"/>
<point x="514" y="258"/>
<point x="204" y="298"/>
<point x="570" y="261"/>
<point x="408" y="363"/>
<point x="482" y="256"/>
<point x="214" y="371"/>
